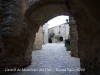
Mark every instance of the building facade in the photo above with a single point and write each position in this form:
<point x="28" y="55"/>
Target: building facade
<point x="61" y="31"/>
<point x="45" y="33"/>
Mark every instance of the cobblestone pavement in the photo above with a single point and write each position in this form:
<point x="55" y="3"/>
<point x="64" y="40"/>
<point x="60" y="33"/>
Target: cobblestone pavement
<point x="53" y="59"/>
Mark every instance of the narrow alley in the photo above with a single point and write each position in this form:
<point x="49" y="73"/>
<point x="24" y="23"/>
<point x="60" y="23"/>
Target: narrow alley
<point x="53" y="59"/>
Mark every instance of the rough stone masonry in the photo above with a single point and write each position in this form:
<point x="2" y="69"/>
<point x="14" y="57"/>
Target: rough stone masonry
<point x="20" y="24"/>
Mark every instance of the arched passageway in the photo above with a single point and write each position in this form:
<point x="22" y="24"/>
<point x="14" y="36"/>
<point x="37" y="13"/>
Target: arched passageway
<point x="17" y="37"/>
<point x="61" y="38"/>
<point x="50" y="40"/>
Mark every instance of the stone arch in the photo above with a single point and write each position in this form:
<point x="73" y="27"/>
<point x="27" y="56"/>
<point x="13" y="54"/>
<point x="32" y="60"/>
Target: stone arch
<point x="42" y="11"/>
<point x="87" y="25"/>
<point x="16" y="36"/>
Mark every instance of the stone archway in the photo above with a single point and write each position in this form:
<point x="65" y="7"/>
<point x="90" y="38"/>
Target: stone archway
<point x="17" y="37"/>
<point x="42" y="11"/>
<point x="87" y="26"/>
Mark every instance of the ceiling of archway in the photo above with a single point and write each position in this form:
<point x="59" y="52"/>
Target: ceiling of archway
<point x="44" y="12"/>
<point x="42" y="3"/>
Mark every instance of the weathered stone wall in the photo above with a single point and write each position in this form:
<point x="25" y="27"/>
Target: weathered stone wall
<point x="15" y="36"/>
<point x="30" y="2"/>
<point x="73" y="37"/>
<point x="38" y="39"/>
<point x="88" y="26"/>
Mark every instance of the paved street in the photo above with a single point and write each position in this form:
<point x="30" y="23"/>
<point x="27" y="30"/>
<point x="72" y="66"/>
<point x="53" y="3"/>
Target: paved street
<point x="53" y="59"/>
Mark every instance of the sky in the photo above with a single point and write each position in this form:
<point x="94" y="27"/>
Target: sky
<point x="57" y="21"/>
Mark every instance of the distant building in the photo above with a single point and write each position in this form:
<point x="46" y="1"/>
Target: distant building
<point x="61" y="31"/>
<point x="45" y="33"/>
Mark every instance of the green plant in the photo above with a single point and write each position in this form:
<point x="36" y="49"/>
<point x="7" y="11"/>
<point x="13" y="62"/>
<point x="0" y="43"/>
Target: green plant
<point x="57" y="37"/>
<point x="68" y="47"/>
<point x="67" y="44"/>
